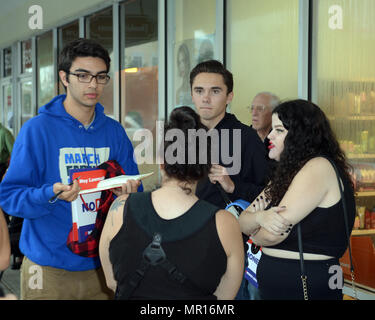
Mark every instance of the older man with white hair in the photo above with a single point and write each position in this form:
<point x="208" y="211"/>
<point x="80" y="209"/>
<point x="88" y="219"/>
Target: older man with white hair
<point x="261" y="111"/>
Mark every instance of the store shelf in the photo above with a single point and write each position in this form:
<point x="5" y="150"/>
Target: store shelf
<point x="353" y="118"/>
<point x="363" y="232"/>
<point x="363" y="292"/>
<point x="365" y="193"/>
<point x="361" y="155"/>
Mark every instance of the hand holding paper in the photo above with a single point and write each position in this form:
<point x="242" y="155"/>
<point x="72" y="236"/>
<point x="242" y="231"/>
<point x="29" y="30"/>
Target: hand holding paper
<point x="92" y="182"/>
<point x="130" y="186"/>
<point x="113" y="183"/>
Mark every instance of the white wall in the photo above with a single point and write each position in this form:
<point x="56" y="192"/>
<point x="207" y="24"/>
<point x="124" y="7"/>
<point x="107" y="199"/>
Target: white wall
<point x="14" y="16"/>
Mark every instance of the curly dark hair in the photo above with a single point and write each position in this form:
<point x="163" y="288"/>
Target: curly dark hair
<point x="189" y="167"/>
<point x="309" y="136"/>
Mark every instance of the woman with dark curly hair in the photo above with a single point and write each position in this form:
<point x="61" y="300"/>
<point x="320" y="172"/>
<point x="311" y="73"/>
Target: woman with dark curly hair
<point x="303" y="189"/>
<point x="168" y="244"/>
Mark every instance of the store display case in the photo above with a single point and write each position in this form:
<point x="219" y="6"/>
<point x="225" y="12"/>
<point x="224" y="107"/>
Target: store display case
<point x="350" y="107"/>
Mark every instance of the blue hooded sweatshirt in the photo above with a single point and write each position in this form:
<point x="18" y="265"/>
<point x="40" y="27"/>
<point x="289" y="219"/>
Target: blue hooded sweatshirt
<point x="47" y="147"/>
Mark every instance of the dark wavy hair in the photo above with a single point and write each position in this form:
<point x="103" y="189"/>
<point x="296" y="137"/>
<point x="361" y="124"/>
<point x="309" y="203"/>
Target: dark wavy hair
<point x="187" y="170"/>
<point x="82" y="48"/>
<point x="309" y="136"/>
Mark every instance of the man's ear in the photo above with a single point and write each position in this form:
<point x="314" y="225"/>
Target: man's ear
<point x="230" y="97"/>
<point x="64" y="77"/>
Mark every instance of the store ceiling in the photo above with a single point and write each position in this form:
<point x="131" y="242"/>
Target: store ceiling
<point x="7" y="6"/>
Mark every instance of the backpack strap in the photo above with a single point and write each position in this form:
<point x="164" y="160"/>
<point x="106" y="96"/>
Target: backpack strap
<point x="154" y="255"/>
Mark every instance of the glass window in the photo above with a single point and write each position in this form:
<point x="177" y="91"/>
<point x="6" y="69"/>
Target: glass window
<point x="344" y="87"/>
<point x="344" y="81"/>
<point x="26" y="54"/>
<point x="9" y="119"/>
<point x="262" y="50"/>
<point x="193" y="42"/>
<point x="26" y="101"/>
<point x="2" y="119"/>
<point x="2" y="107"/>
<point x="99" y="27"/>
<point x="46" y="85"/>
<point x="66" y="34"/>
<point x="7" y="62"/>
<point x="139" y="73"/>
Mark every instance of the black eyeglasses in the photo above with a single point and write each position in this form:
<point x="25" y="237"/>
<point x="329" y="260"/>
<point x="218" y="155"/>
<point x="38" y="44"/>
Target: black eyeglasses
<point x="101" y="78"/>
<point x="259" y="108"/>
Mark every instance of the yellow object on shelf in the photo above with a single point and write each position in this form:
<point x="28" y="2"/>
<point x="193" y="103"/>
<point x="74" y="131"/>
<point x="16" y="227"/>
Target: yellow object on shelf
<point x="364" y="232"/>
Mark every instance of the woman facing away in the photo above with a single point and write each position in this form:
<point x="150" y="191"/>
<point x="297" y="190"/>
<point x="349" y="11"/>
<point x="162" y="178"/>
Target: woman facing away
<point x="202" y="244"/>
<point x="303" y="189"/>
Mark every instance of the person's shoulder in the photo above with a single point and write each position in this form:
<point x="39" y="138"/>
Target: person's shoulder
<point x="318" y="163"/>
<point x="206" y="205"/>
<point x="115" y="212"/>
<point x="227" y="227"/>
<point x="6" y="131"/>
<point x="110" y="121"/>
<point x="317" y="168"/>
<point x="225" y="219"/>
<point x="233" y="123"/>
<point x="37" y="123"/>
<point x="113" y="125"/>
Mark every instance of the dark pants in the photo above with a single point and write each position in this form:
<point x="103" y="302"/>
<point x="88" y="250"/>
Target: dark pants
<point x="15" y="227"/>
<point x="280" y="279"/>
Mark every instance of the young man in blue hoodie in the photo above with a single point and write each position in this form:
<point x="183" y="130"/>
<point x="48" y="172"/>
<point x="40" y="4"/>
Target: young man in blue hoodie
<point x="71" y="131"/>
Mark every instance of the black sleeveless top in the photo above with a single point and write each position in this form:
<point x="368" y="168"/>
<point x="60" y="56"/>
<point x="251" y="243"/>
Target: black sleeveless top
<point x="323" y="230"/>
<point x="190" y="241"/>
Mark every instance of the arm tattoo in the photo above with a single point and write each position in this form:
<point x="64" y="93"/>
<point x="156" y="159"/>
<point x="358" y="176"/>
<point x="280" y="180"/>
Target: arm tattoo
<point x="115" y="205"/>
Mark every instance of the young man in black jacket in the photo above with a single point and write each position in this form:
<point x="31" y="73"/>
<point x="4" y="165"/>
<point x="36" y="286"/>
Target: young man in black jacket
<point x="242" y="166"/>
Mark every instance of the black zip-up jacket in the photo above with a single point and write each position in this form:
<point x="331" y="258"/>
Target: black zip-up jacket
<point x="250" y="181"/>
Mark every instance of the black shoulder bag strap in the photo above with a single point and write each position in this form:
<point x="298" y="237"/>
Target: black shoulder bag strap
<point x="346" y="227"/>
<point x="302" y="263"/>
<point x="300" y="247"/>
<point x="154" y="255"/>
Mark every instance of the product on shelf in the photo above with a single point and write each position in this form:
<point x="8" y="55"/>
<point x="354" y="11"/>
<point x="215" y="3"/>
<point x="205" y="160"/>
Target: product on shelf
<point x="361" y="216"/>
<point x="364" y="174"/>
<point x="367" y="219"/>
<point x="364" y="141"/>
<point x="356" y="223"/>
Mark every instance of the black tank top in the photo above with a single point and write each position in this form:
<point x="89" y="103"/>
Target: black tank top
<point x="323" y="230"/>
<point x="190" y="241"/>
